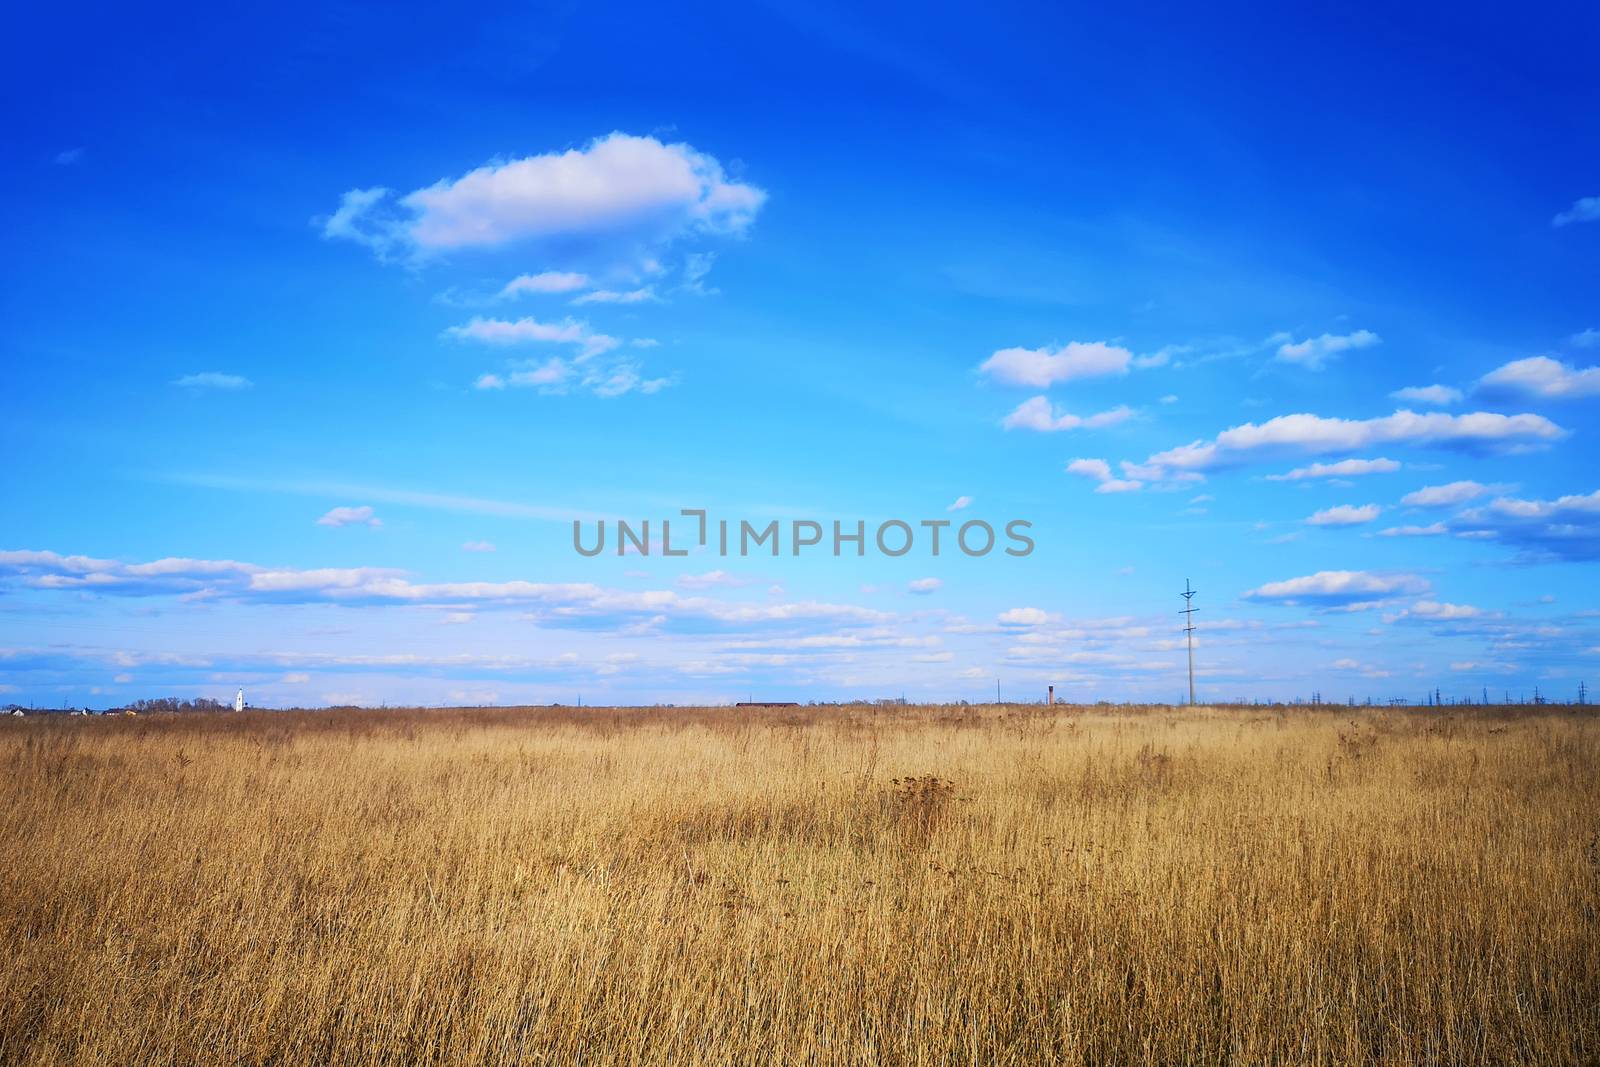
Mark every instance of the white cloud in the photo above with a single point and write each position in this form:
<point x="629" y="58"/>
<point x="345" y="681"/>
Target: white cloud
<point x="960" y="503"/>
<point x="1444" y="496"/>
<point x="373" y="586"/>
<point x="1430" y="609"/>
<point x="1344" y="515"/>
<point x="620" y="197"/>
<point x="1044" y="367"/>
<point x="1541" y="377"/>
<point x="1434" y="529"/>
<point x="1345" y="468"/>
<point x="1314" y="434"/>
<point x="361" y="516"/>
<point x="1589" y="338"/>
<point x="1023" y="617"/>
<point x="477" y="546"/>
<point x="924" y="585"/>
<point x="1100" y="471"/>
<point x="1567" y="528"/>
<point x="1438" y="396"/>
<point x="1585" y="209"/>
<point x="710" y="580"/>
<point x="550" y="281"/>
<point x="1037" y="414"/>
<point x="1347" y="589"/>
<point x="556" y="375"/>
<point x="212" y="380"/>
<point x="611" y="296"/>
<point x="531" y="331"/>
<point x="1314" y="352"/>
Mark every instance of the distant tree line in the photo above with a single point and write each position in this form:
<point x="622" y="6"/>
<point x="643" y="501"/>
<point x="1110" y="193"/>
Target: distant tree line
<point x="145" y="707"/>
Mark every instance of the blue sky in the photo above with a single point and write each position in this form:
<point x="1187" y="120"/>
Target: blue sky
<point x="322" y="325"/>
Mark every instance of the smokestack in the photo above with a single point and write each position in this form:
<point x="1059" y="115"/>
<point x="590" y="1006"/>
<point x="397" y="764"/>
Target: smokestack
<point x="1050" y="695"/>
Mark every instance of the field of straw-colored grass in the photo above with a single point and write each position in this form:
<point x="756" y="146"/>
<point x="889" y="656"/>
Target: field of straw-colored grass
<point x="897" y="886"/>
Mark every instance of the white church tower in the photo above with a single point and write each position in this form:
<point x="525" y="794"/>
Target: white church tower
<point x="238" y="701"/>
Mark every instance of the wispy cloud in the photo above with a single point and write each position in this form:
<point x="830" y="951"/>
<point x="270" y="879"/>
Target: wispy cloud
<point x="450" y="502"/>
<point x="1344" y="468"/>
<point x="571" y="603"/>
<point x="350" y="516"/>
<point x="1585" y="209"/>
<point x="1037" y="414"/>
<point x="550" y="281"/>
<point x="645" y="295"/>
<point x="1438" y="396"/>
<point x="1479" y="431"/>
<point x="213" y="380"/>
<point x="531" y="331"/>
<point x="1314" y="352"/>
<point x="1444" y="496"/>
<point x="1344" y="515"/>
<point x="1433" y="529"/>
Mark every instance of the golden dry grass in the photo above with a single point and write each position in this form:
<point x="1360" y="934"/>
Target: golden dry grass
<point x="916" y="886"/>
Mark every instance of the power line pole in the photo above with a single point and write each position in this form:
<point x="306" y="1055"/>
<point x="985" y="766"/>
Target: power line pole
<point x="1188" y="628"/>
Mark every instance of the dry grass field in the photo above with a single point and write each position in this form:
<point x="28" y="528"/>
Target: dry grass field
<point x="832" y="885"/>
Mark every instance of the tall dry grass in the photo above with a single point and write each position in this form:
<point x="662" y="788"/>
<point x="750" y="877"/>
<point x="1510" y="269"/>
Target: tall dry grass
<point x="917" y="886"/>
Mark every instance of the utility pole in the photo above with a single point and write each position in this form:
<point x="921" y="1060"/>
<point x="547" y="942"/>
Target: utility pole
<point x="1583" y="693"/>
<point x="1188" y="628"/>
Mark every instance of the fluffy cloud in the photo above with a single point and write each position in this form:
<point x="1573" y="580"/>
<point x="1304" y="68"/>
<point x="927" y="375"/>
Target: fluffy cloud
<point x="1099" y="470"/>
<point x="1314" y="352"/>
<point x="1344" y="515"/>
<point x="550" y="281"/>
<point x="361" y="516"/>
<point x="1586" y="209"/>
<point x="1438" y="396"/>
<point x="211" y="379"/>
<point x="1541" y="377"/>
<point x="1044" y="367"/>
<point x="1444" y="496"/>
<point x="620" y="197"/>
<point x="1567" y="528"/>
<point x="924" y="585"/>
<point x="1340" y="589"/>
<point x="1037" y="414"/>
<point x="1345" y="468"/>
<point x="1314" y="434"/>
<point x="1023" y="617"/>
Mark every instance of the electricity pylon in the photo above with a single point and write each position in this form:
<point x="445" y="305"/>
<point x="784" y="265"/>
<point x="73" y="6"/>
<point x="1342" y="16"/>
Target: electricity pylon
<point x="1188" y="615"/>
